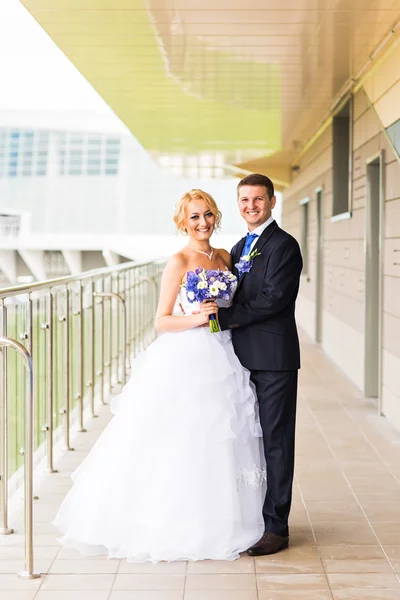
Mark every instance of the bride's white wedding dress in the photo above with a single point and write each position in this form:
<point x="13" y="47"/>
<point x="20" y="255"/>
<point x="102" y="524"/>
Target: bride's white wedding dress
<point x="178" y="473"/>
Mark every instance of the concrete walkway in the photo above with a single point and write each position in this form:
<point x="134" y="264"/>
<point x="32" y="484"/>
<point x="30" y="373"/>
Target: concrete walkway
<point x="345" y="525"/>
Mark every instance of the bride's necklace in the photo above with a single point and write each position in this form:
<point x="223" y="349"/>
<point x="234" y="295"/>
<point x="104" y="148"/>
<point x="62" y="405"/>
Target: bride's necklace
<point x="209" y="256"/>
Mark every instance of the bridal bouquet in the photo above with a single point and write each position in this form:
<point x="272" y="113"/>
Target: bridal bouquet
<point x="203" y="284"/>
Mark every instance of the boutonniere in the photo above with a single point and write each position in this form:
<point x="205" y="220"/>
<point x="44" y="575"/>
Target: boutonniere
<point x="246" y="262"/>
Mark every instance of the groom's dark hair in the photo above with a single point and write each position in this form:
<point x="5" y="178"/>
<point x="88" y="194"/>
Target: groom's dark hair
<point x="257" y="179"/>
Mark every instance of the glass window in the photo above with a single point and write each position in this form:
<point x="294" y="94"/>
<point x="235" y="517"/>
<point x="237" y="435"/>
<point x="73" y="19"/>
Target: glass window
<point x="112" y="151"/>
<point x="12" y="173"/>
<point x="41" y="172"/>
<point x="75" y="172"/>
<point x="27" y="173"/>
<point x="13" y="154"/>
<point x="15" y="134"/>
<point x="76" y="152"/>
<point x="28" y="134"/>
<point x="111" y="141"/>
<point x="342" y="161"/>
<point x="94" y="142"/>
<point x="111" y="171"/>
<point x="112" y="161"/>
<point x="305" y="225"/>
<point x="93" y="161"/>
<point x="93" y="171"/>
<point x="12" y="163"/>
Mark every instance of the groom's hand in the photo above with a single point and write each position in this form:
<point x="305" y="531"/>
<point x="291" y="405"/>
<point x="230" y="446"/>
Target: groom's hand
<point x="207" y="308"/>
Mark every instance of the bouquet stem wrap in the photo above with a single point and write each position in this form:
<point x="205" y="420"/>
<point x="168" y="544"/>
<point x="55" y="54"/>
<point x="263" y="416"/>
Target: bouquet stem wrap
<point x="214" y="325"/>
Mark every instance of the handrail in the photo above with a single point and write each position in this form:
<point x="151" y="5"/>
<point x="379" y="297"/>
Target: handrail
<point x="29" y="572"/>
<point x="93" y="274"/>
<point x="76" y="348"/>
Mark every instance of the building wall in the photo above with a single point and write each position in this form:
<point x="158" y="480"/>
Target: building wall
<point x="67" y="180"/>
<point x="343" y="255"/>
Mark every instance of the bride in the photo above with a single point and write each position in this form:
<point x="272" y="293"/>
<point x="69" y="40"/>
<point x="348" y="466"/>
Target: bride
<point x="177" y="474"/>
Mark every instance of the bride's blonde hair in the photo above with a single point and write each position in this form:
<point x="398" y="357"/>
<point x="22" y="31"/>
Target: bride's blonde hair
<point x="182" y="204"/>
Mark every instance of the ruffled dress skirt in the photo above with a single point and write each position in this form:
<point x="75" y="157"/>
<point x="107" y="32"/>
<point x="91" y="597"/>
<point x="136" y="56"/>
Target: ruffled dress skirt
<point x="178" y="473"/>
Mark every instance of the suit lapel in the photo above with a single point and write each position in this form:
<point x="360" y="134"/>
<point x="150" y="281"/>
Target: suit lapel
<point x="264" y="237"/>
<point x="259" y="245"/>
<point x="237" y="255"/>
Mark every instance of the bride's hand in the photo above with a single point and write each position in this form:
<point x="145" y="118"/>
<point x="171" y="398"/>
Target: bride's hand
<point x="206" y="309"/>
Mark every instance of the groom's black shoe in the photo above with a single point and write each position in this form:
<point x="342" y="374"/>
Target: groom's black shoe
<point x="270" y="543"/>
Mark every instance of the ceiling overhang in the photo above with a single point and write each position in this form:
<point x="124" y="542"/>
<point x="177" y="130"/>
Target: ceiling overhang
<point x="235" y="83"/>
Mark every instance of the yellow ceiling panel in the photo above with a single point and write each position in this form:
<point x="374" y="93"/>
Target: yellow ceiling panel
<point x="241" y="79"/>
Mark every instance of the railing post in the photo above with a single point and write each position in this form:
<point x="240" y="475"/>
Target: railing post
<point x="135" y="315"/>
<point x="101" y="372"/>
<point x="50" y="384"/>
<point x="67" y="388"/>
<point x="4" y="528"/>
<point x="92" y="348"/>
<point x="152" y="280"/>
<point x="123" y="306"/>
<point x="81" y="372"/>
<point x="28" y="573"/>
<point x="130" y="313"/>
<point x="111" y="339"/>
<point x="118" y="330"/>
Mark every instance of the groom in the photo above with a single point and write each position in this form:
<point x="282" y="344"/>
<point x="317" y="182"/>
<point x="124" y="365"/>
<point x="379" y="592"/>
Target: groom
<point x="265" y="339"/>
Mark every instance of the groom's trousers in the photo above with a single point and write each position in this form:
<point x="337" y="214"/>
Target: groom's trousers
<point x="277" y="394"/>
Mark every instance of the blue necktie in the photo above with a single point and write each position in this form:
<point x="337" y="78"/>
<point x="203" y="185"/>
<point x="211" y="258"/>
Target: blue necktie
<point x="249" y="240"/>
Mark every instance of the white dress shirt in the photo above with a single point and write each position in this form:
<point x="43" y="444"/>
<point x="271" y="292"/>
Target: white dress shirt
<point x="259" y="231"/>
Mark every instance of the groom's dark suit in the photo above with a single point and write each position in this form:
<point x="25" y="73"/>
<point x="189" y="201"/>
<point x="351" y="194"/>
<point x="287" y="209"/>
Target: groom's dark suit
<point x="264" y="334"/>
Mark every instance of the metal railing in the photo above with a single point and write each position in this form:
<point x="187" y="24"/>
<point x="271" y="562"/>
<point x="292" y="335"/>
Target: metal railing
<point x="79" y="334"/>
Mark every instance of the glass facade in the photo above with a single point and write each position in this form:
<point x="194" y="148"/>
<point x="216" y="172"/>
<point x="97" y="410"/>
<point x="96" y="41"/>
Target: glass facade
<point x="25" y="153"/>
<point x="87" y="154"/>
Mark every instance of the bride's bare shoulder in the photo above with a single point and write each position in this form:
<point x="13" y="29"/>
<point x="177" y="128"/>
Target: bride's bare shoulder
<point x="226" y="256"/>
<point x="177" y="264"/>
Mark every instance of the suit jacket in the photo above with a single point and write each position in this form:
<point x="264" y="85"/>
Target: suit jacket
<point x="262" y="317"/>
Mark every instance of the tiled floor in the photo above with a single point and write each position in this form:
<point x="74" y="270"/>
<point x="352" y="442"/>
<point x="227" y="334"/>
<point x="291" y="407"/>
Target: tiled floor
<point x="345" y="525"/>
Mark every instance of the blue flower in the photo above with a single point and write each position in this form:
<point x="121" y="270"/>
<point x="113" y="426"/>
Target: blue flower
<point x="246" y="262"/>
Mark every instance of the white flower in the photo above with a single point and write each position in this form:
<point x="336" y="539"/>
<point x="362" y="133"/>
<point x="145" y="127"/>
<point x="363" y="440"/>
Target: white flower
<point x="191" y="295"/>
<point x="214" y="291"/>
<point x="222" y="286"/>
<point x="202" y="285"/>
<point x="246" y="258"/>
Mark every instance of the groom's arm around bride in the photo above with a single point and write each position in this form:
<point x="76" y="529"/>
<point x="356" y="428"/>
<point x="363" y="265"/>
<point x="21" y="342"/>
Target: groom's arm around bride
<point x="264" y="334"/>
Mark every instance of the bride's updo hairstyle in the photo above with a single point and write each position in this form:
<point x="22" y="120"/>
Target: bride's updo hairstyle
<point x="182" y="205"/>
